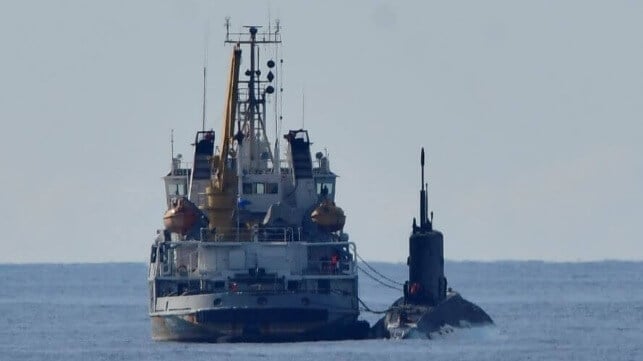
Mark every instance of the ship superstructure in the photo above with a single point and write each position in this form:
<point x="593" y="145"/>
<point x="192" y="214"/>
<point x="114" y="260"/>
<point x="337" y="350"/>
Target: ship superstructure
<point x="253" y="247"/>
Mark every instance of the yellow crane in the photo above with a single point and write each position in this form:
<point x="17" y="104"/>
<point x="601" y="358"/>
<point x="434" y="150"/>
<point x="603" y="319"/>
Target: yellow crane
<point x="221" y="193"/>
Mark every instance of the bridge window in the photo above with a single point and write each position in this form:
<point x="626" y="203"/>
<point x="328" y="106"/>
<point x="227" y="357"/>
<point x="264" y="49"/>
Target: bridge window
<point x="327" y="185"/>
<point x="260" y="188"/>
<point x="272" y="188"/>
<point x="177" y="189"/>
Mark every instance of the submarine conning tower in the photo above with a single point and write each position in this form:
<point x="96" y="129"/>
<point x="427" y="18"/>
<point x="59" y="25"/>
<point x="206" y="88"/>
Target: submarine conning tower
<point x="427" y="284"/>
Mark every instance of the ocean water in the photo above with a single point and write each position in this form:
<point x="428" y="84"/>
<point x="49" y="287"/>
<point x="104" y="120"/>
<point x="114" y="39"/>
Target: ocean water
<point x="543" y="311"/>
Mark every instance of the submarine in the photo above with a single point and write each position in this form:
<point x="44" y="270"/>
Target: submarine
<point x="428" y="305"/>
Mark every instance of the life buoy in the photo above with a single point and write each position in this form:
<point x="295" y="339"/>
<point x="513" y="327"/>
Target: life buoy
<point x="233" y="287"/>
<point x="415" y="288"/>
<point x="334" y="260"/>
<point x="182" y="269"/>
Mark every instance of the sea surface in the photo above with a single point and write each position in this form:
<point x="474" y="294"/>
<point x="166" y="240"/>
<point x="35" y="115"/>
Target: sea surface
<point x="542" y="311"/>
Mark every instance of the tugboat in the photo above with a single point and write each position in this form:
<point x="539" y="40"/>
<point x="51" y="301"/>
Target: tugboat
<point x="253" y="246"/>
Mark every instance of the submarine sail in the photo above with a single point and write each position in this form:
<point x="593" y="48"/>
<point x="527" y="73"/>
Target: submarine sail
<point x="427" y="304"/>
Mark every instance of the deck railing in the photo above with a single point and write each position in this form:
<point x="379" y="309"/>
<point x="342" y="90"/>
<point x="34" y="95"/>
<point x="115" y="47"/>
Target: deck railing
<point x="181" y="259"/>
<point x="264" y="234"/>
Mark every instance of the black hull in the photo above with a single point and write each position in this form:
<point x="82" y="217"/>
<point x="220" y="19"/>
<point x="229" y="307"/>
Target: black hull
<point x="454" y="311"/>
<point x="256" y="325"/>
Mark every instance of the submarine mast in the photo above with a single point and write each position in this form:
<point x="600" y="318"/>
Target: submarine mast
<point x="425" y="223"/>
<point x="427" y="284"/>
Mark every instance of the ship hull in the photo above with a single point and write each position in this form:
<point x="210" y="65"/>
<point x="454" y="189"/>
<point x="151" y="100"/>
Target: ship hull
<point x="257" y="318"/>
<point x="257" y="325"/>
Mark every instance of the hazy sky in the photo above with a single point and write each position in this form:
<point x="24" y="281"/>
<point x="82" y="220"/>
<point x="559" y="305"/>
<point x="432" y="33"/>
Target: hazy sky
<point x="530" y="112"/>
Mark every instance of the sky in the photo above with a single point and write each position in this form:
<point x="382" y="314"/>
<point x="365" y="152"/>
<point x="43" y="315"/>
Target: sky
<point x="529" y="111"/>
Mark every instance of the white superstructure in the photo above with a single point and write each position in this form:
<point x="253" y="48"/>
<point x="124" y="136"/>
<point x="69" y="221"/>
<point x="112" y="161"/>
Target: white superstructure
<point x="253" y="247"/>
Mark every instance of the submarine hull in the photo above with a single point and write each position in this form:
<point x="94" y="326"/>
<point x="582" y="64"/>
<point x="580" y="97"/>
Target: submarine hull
<point x="404" y="320"/>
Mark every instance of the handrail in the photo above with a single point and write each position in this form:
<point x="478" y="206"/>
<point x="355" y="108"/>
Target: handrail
<point x="180" y="260"/>
<point x="257" y="234"/>
<point x="184" y="165"/>
<point x="186" y="243"/>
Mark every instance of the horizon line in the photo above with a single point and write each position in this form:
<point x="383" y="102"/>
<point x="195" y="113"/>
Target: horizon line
<point x="507" y="260"/>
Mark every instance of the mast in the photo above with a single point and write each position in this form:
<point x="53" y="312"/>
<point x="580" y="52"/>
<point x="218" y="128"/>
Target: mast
<point x="425" y="223"/>
<point x="244" y="147"/>
<point x="172" y="144"/>
<point x="205" y="78"/>
<point x="204" y="97"/>
<point x="251" y="117"/>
